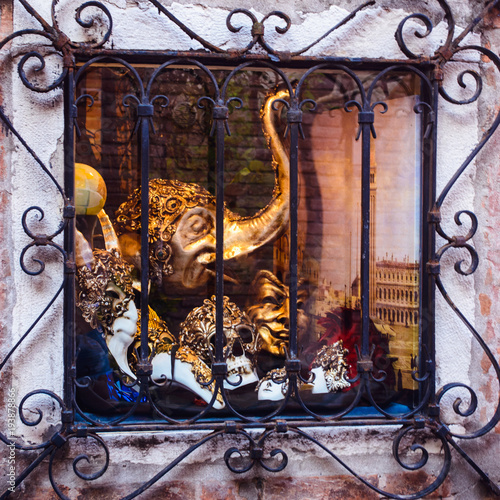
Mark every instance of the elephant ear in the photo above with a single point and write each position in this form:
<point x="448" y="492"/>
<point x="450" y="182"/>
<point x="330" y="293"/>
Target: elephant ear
<point x="83" y="252"/>
<point x="108" y="231"/>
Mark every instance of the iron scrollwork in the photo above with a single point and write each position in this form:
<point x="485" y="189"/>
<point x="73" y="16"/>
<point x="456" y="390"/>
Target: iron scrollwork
<point x="214" y="378"/>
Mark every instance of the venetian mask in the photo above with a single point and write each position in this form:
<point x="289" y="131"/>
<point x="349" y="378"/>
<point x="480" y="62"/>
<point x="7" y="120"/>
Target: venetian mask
<point x="198" y="333"/>
<point x="268" y="308"/>
<point x="105" y="297"/>
<point x="183" y="366"/>
<point x="274" y="386"/>
<point x="330" y="369"/>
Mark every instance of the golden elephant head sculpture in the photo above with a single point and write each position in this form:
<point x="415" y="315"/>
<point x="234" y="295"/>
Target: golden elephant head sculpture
<point x="182" y="222"/>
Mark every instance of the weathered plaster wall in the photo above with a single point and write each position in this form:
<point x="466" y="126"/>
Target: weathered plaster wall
<point x="310" y="473"/>
<point x="7" y="296"/>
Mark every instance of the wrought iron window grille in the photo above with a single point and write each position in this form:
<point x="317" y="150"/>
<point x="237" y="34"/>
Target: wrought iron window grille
<point x="426" y="415"/>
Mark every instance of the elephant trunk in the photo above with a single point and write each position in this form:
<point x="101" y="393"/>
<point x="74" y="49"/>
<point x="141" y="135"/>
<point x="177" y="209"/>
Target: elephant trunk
<point x="243" y="235"/>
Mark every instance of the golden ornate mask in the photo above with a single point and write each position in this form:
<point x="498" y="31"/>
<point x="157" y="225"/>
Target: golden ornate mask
<point x="330" y="369"/>
<point x="198" y="333"/>
<point x="159" y="338"/>
<point x="268" y="307"/>
<point x="168" y="202"/>
<point x="105" y="288"/>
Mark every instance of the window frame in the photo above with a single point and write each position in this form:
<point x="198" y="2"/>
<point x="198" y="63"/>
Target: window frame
<point x="366" y="111"/>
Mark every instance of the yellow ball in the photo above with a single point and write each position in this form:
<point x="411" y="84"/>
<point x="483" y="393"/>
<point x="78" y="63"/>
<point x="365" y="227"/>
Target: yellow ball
<point x="90" y="190"/>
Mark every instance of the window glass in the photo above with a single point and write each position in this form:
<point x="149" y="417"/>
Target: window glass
<point x="182" y="172"/>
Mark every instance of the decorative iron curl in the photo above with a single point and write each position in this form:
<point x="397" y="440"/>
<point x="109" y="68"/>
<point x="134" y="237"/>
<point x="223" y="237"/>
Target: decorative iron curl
<point x="256" y="455"/>
<point x="415" y="375"/>
<point x="32" y="447"/>
<point x="495" y="59"/>
<point x="220" y="110"/>
<point x="258" y="29"/>
<point x="310" y="102"/>
<point x="85" y="96"/>
<point x="60" y="41"/>
<point x="39" y="240"/>
<point x="86" y="24"/>
<point x="24" y="420"/>
<point x="79" y="458"/>
<point x="348" y="108"/>
<point x="469" y="410"/>
<point x="383" y="376"/>
<point x="280" y="379"/>
<point x="297" y="110"/>
<point x="457" y="404"/>
<point x="237" y="470"/>
<point x="137" y="101"/>
<point x="38" y="418"/>
<point x="355" y="104"/>
<point x="76" y="461"/>
<point x="383" y="111"/>
<point x="75" y="110"/>
<point x="414" y="447"/>
<point x="90" y="23"/>
<point x="279" y="29"/>
<point x="400" y="36"/>
<point x="460" y="78"/>
<point x="234" y="384"/>
<point x="419" y="108"/>
<point x="460" y="242"/>
<point x="41" y="67"/>
<point x="83" y="382"/>
<point x="158" y="97"/>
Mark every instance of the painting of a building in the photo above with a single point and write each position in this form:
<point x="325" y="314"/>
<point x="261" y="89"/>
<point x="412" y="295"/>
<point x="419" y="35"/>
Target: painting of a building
<point x="397" y="291"/>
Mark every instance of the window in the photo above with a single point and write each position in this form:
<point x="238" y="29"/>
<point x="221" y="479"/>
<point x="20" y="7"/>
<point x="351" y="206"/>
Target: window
<point x="181" y="161"/>
<point x="281" y="192"/>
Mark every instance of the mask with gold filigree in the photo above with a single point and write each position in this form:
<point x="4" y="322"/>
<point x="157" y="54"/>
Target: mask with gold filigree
<point x="330" y="369"/>
<point x="159" y="338"/>
<point x="198" y="333"/>
<point x="169" y="202"/>
<point x="105" y="288"/>
<point x="273" y="386"/>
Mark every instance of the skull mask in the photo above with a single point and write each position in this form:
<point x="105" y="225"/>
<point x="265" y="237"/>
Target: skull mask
<point x="198" y="333"/>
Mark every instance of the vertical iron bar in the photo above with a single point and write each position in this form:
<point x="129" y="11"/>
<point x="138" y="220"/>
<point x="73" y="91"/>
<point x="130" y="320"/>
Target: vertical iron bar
<point x="365" y="237"/>
<point x="219" y="244"/>
<point x="429" y="284"/>
<point x="69" y="341"/>
<point x="294" y="139"/>
<point x="426" y="145"/>
<point x="144" y="166"/>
